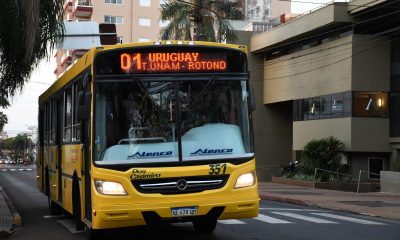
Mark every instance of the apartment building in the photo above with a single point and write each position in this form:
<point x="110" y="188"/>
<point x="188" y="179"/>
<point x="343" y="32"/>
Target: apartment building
<point x="135" y="21"/>
<point x="332" y="72"/>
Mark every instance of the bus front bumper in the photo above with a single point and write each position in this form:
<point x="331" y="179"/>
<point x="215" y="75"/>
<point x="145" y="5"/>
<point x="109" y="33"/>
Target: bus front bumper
<point x="116" y="216"/>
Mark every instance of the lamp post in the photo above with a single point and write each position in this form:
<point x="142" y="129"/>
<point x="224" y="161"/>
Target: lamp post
<point x="209" y="9"/>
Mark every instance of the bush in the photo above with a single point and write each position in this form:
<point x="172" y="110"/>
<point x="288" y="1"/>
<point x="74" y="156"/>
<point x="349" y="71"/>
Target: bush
<point x="323" y="153"/>
<point x="395" y="166"/>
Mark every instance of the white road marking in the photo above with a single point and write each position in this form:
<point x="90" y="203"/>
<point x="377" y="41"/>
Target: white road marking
<point x="29" y="169"/>
<point x="231" y="221"/>
<point x="269" y="219"/>
<point x="305" y="218"/>
<point x="293" y="209"/>
<point x="12" y="170"/>
<point x="21" y="169"/>
<point x="349" y="219"/>
<point x="4" y="170"/>
<point x="70" y="225"/>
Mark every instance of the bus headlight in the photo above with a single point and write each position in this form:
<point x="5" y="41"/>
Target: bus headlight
<point x="109" y="188"/>
<point x="245" y="180"/>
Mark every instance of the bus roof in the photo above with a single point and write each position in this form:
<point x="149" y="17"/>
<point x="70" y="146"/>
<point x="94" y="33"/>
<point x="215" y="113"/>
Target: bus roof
<point x="86" y="60"/>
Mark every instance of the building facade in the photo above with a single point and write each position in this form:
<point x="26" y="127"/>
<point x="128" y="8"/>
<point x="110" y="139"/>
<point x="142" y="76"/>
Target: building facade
<point x="333" y="72"/>
<point x="135" y="21"/>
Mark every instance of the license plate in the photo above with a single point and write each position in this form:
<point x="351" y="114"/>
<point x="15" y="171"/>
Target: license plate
<point x="183" y="211"/>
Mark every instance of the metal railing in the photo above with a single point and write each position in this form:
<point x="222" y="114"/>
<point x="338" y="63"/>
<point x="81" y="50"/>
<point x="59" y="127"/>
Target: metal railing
<point x="359" y="178"/>
<point x="347" y="177"/>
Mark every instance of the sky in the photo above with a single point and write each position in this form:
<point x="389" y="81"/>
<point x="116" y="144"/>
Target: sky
<point x="23" y="111"/>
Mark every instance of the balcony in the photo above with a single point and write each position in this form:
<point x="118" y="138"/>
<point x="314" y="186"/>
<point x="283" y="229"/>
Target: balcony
<point x="77" y="53"/>
<point x="66" y="59"/>
<point x="83" y="9"/>
<point x="68" y="6"/>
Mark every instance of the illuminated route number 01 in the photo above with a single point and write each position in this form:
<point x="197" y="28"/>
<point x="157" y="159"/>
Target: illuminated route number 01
<point x="219" y="168"/>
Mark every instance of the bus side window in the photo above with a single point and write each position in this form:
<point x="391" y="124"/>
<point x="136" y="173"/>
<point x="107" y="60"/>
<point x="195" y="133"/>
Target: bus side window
<point x="67" y="114"/>
<point x="76" y="125"/>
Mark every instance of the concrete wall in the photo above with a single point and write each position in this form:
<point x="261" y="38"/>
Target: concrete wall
<point x="315" y="20"/>
<point x="279" y="7"/>
<point x="359" y="5"/>
<point x="272" y="124"/>
<point x="305" y="131"/>
<point x="371" y="63"/>
<point x="357" y="134"/>
<point x="390" y="182"/>
<point x="316" y="71"/>
<point x="370" y="135"/>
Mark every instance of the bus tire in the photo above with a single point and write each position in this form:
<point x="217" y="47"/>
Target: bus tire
<point x="76" y="205"/>
<point x="53" y="207"/>
<point x="205" y="226"/>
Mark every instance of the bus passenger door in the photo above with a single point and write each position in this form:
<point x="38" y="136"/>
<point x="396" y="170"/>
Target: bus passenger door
<point x="59" y="147"/>
<point x="87" y="178"/>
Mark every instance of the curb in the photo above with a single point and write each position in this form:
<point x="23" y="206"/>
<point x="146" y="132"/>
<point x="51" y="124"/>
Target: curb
<point x="278" y="198"/>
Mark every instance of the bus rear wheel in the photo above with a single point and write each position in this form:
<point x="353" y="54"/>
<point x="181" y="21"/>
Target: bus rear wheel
<point x="205" y="226"/>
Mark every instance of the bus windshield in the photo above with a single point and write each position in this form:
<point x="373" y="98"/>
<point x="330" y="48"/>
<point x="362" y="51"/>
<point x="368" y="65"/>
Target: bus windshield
<point x="167" y="121"/>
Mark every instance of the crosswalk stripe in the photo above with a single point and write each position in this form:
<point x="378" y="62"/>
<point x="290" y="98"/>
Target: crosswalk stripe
<point x="28" y="169"/>
<point x="12" y="169"/>
<point x="350" y="219"/>
<point x="269" y="219"/>
<point x="305" y="218"/>
<point x="4" y="170"/>
<point x="231" y="221"/>
<point x="21" y="169"/>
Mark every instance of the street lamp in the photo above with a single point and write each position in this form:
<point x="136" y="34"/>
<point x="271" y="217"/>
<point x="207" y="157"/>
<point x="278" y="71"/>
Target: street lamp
<point x="209" y="9"/>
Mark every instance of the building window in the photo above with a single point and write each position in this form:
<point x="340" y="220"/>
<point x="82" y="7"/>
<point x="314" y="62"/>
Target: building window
<point x="323" y="107"/>
<point x="370" y="104"/>
<point x="113" y="19"/>
<point x="143" y="40"/>
<point x="120" y="39"/>
<point x="114" y="2"/>
<point x="145" y="3"/>
<point x="144" y="22"/>
<point x="162" y="23"/>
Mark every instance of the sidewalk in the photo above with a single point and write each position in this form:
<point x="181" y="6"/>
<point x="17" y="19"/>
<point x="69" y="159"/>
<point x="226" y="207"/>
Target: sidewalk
<point x="8" y="215"/>
<point x="385" y="205"/>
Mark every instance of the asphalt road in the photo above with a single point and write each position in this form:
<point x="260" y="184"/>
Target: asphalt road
<point x="276" y="220"/>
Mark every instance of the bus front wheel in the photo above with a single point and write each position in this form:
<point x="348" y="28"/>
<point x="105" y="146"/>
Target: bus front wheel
<point x="205" y="226"/>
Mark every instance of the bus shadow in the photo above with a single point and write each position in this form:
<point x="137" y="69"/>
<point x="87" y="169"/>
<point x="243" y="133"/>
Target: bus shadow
<point x="179" y="231"/>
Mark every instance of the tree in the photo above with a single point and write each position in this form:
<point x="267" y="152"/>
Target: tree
<point x="3" y="121"/>
<point x="28" y="30"/>
<point x="18" y="146"/>
<point x="323" y="154"/>
<point x="197" y="20"/>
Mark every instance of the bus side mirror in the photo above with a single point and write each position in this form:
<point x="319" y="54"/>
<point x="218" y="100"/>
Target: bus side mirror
<point x="83" y="107"/>
<point x="252" y="99"/>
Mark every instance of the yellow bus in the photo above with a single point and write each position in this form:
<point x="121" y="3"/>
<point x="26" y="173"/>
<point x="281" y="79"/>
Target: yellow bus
<point x="143" y="133"/>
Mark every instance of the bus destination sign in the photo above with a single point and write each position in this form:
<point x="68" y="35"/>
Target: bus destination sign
<point x="160" y="62"/>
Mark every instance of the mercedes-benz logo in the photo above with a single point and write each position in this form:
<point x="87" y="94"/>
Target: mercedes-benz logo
<point x="181" y="184"/>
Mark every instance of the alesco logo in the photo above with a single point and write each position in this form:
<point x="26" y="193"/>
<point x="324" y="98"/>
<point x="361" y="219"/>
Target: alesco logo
<point x="150" y="154"/>
<point x="206" y="151"/>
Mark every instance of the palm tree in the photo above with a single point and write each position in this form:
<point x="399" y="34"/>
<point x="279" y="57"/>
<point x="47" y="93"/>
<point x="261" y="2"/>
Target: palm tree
<point x="3" y="121"/>
<point x="28" y="30"/>
<point x="198" y="19"/>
